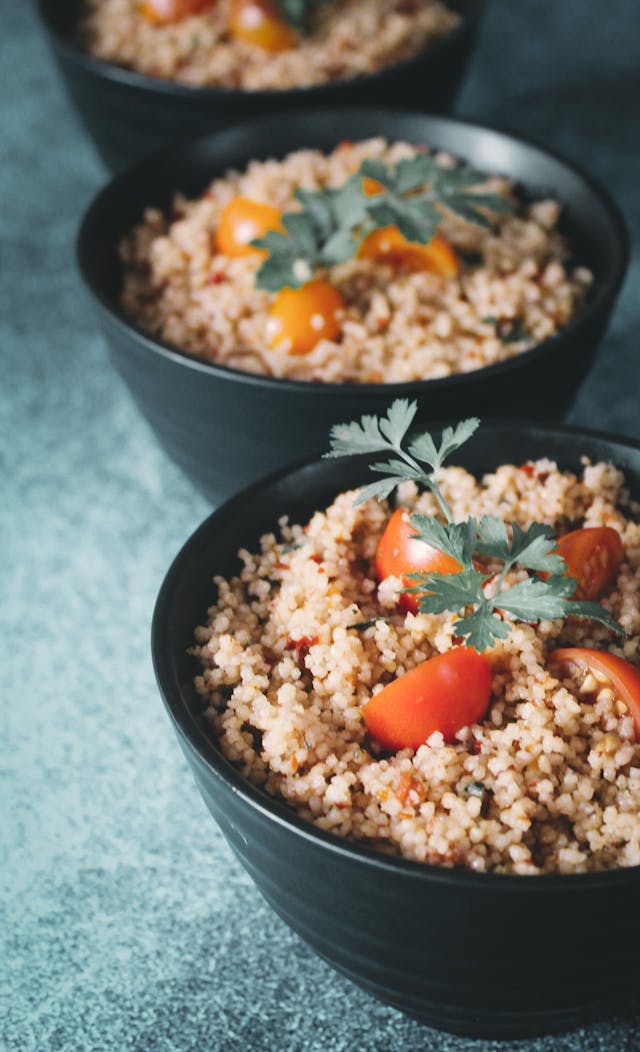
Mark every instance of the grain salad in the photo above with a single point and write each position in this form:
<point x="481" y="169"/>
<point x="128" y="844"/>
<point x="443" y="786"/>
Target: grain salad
<point x="548" y="780"/>
<point x="485" y="293"/>
<point x="198" y="45"/>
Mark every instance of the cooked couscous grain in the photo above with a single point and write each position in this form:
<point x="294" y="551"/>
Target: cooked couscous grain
<point x="345" y="39"/>
<point x="549" y="781"/>
<point x="514" y="287"/>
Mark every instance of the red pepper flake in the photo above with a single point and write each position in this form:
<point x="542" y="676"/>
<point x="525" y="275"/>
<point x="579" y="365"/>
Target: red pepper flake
<point x="216" y="277"/>
<point x="314" y="558"/>
<point x="528" y="470"/>
<point x="301" y="647"/>
<point x="408" y="785"/>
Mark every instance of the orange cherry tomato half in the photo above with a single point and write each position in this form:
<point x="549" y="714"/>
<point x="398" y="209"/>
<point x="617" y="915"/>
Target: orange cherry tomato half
<point x="258" y="22"/>
<point x="371" y="186"/>
<point x="300" y="318"/>
<point x="593" y="556"/>
<point x="388" y="245"/>
<point x="608" y="670"/>
<point x="400" y="552"/>
<point x="445" y="693"/>
<point x="162" y="12"/>
<point x="241" y="222"/>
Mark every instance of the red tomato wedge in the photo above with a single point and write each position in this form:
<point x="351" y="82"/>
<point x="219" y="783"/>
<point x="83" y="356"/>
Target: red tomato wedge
<point x="400" y="552"/>
<point x="608" y="671"/>
<point x="162" y="12"/>
<point x="592" y="555"/>
<point x="445" y="693"/>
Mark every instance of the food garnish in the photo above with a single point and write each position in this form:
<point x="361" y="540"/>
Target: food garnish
<point x="596" y="671"/>
<point x="446" y="693"/>
<point x="240" y="223"/>
<point x="592" y="555"/>
<point x="401" y="552"/>
<point x="260" y="22"/>
<point x="485" y="613"/>
<point x="299" y="318"/>
<point x="412" y="197"/>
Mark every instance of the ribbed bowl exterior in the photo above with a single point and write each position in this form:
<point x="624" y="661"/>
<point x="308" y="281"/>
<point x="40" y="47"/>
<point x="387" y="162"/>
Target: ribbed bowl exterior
<point x="484" y="955"/>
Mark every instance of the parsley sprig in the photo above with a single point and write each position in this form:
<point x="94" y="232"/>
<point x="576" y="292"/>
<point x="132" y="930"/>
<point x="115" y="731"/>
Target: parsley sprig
<point x="414" y="195"/>
<point x="485" y="618"/>
<point x="296" y="12"/>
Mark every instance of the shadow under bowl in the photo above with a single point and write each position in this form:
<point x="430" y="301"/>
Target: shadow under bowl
<point x="128" y="114"/>
<point x="484" y="955"/>
<point x="226" y="427"/>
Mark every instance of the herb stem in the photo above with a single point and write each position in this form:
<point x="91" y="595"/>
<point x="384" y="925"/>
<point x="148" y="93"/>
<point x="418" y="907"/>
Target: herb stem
<point x="430" y="481"/>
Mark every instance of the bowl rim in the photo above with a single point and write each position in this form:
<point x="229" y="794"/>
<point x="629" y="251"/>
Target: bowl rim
<point x="604" y="290"/>
<point x="275" y="810"/>
<point x="165" y="86"/>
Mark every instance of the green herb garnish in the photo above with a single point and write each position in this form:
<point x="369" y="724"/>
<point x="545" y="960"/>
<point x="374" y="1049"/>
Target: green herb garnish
<point x="296" y="12"/>
<point x="415" y="195"/>
<point x="482" y="621"/>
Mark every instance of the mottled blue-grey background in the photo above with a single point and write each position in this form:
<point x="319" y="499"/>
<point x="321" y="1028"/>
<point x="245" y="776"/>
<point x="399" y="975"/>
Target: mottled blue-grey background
<point x="128" y="923"/>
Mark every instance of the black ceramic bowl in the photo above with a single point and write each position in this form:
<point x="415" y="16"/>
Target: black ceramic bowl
<point x="128" y="114"/>
<point x="478" y="954"/>
<point x="226" y="427"/>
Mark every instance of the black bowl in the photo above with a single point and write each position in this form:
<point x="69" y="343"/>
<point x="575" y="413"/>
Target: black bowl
<point x="128" y="114"/>
<point x="226" y="427"/>
<point x="479" y="954"/>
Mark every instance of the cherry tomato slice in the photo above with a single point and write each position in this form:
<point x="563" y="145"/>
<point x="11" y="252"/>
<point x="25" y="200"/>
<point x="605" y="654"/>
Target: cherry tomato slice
<point x="400" y="552"/>
<point x="592" y="555"/>
<point x="258" y="22"/>
<point x="241" y="222"/>
<point x="162" y="12"/>
<point x="371" y="186"/>
<point x="300" y="318"/>
<point x="445" y="693"/>
<point x="607" y="670"/>
<point x="388" y="245"/>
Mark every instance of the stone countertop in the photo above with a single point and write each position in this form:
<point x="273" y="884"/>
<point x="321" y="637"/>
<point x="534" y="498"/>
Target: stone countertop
<point x="129" y="923"/>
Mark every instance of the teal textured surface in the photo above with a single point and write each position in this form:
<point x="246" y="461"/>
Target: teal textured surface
<point x="128" y="922"/>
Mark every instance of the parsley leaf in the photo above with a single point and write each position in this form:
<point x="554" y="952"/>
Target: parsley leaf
<point x="482" y="629"/>
<point x="296" y="12"/>
<point x="333" y="221"/>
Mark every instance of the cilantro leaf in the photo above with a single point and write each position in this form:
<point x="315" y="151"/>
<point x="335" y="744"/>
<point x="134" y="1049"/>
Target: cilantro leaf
<point x="398" y="420"/>
<point x="423" y="447"/>
<point x="457" y="539"/>
<point x="439" y="592"/>
<point x="537" y="600"/>
<point x="413" y="196"/>
<point x="381" y="490"/>
<point x="530" y="600"/>
<point x="296" y="12"/>
<point x="533" y="548"/>
<point x="397" y="468"/>
<point x="363" y="437"/>
<point x="482" y="629"/>
<point x="595" y="612"/>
